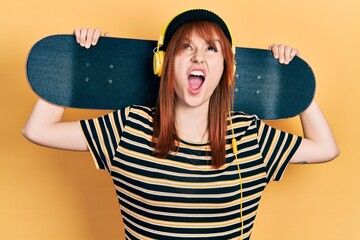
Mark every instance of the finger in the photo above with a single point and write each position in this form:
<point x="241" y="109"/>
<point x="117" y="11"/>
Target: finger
<point x="96" y="36"/>
<point x="294" y="52"/>
<point x="82" y="38"/>
<point x="107" y="34"/>
<point x="77" y="34"/>
<point x="275" y="50"/>
<point x="287" y="54"/>
<point x="89" y="37"/>
<point x="281" y="49"/>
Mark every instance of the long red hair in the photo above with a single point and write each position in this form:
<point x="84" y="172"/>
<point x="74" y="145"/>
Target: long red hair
<point x="165" y="136"/>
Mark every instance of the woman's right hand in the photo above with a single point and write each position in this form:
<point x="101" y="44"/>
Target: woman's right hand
<point x="88" y="37"/>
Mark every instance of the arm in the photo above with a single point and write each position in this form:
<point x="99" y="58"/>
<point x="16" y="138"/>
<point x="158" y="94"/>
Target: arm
<point x="45" y="126"/>
<point x="318" y="144"/>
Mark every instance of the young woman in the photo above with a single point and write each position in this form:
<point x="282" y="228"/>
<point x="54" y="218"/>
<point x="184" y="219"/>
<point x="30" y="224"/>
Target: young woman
<point x="174" y="167"/>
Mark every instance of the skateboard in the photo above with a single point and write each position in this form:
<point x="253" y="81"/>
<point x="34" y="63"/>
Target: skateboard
<point x="117" y="72"/>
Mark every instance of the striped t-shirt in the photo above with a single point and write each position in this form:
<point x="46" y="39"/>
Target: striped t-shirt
<point x="183" y="196"/>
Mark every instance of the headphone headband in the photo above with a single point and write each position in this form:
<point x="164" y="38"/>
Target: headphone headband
<point x="191" y="15"/>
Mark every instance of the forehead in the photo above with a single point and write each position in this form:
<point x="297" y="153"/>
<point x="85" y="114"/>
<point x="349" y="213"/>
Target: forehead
<point x="207" y="32"/>
<point x="201" y="28"/>
<point x="195" y="37"/>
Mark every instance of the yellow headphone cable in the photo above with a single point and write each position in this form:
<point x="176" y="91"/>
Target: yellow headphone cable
<point x="235" y="152"/>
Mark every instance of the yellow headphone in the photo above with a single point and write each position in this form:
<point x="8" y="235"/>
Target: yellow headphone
<point x="159" y="55"/>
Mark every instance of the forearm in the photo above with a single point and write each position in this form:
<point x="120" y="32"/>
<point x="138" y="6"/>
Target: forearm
<point x="319" y="143"/>
<point x="45" y="127"/>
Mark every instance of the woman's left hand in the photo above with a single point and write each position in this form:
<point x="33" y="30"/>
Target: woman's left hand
<point x="284" y="53"/>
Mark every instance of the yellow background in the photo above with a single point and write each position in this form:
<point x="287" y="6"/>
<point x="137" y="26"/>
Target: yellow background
<point x="52" y="194"/>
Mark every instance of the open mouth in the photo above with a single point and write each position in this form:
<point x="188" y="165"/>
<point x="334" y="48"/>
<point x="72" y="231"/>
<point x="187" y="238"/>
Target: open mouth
<point x="196" y="79"/>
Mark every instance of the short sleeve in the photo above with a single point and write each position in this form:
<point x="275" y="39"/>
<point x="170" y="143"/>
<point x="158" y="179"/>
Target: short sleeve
<point x="277" y="148"/>
<point x="103" y="136"/>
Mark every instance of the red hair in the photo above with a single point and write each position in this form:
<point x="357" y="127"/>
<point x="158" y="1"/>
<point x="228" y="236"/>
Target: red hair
<point x="165" y="136"/>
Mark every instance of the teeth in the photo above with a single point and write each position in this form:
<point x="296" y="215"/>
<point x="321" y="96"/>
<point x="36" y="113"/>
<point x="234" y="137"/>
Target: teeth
<point x="197" y="73"/>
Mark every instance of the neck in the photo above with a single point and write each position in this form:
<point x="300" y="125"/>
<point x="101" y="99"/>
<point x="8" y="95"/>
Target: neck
<point x="192" y="123"/>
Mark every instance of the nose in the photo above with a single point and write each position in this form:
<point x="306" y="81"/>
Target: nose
<point x="198" y="57"/>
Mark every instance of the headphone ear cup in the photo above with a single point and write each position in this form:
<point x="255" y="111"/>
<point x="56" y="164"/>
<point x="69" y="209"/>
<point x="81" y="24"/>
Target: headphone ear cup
<point x="158" y="60"/>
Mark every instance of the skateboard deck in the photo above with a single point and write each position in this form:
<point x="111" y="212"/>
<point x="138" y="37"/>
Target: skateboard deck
<point x="117" y="72"/>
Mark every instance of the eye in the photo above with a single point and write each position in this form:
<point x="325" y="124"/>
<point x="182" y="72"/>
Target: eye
<point x="211" y="48"/>
<point x="187" y="46"/>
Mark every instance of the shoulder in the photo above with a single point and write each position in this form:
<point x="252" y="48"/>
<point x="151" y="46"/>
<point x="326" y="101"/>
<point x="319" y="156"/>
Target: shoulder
<point x="140" y="112"/>
<point x="141" y="109"/>
<point x="241" y="117"/>
<point x="242" y="124"/>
